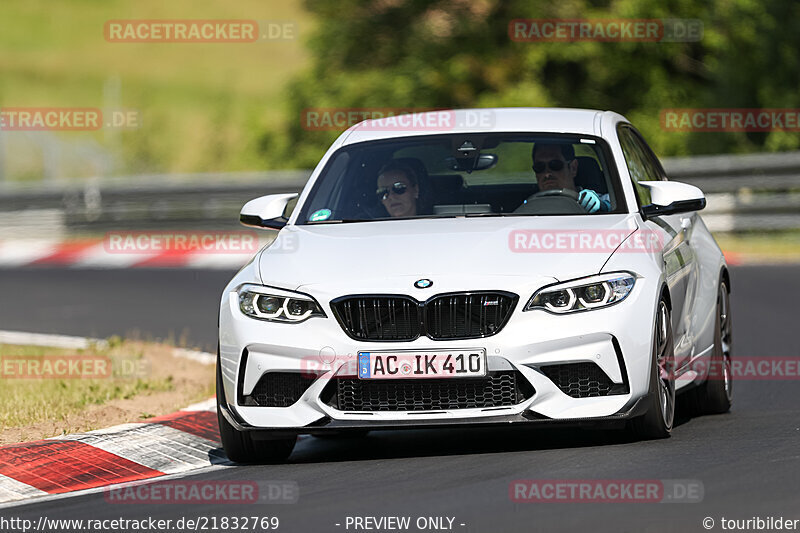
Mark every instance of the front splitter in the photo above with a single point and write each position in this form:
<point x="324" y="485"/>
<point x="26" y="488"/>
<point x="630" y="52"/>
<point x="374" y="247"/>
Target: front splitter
<point x="633" y="409"/>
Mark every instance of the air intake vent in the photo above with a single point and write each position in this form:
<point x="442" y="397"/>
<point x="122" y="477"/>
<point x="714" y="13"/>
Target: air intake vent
<point x="498" y="389"/>
<point x="279" y="389"/>
<point x="582" y="380"/>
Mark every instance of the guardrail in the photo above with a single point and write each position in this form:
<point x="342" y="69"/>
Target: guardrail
<point x="189" y="201"/>
<point x="752" y="192"/>
<point x="745" y="192"/>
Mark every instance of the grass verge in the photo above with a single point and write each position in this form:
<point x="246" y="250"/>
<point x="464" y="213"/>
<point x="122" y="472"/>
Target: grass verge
<point x="777" y="247"/>
<point x="201" y="106"/>
<point x="46" y="392"/>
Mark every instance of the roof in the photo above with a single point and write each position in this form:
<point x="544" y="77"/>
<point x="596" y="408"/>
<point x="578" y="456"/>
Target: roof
<point x="514" y="119"/>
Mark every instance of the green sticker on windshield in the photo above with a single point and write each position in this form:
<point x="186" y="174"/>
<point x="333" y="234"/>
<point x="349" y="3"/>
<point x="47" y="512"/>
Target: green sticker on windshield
<point x="322" y="214"/>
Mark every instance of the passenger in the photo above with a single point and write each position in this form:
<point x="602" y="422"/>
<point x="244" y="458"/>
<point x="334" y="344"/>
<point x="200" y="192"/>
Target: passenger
<point x="555" y="166"/>
<point x="398" y="189"/>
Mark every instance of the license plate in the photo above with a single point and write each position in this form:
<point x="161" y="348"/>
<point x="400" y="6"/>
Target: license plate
<point x="411" y="365"/>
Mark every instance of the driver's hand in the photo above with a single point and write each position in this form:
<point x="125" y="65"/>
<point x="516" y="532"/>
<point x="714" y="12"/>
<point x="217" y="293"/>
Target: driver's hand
<point x="589" y="200"/>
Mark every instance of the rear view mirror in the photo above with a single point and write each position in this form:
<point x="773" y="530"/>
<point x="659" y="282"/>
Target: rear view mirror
<point x="483" y="162"/>
<point x="266" y="211"/>
<point x="672" y="197"/>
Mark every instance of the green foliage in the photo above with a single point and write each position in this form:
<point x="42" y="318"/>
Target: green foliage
<point x="458" y="53"/>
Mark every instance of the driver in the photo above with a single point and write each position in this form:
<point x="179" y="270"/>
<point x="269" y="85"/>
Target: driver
<point x="555" y="166"/>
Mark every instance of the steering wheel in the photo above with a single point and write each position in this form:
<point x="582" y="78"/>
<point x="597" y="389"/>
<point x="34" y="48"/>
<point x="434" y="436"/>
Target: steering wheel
<point x="569" y="193"/>
<point x="553" y="202"/>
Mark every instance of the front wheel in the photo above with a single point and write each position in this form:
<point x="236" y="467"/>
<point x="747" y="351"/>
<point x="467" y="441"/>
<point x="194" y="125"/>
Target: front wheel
<point x="656" y="423"/>
<point x="239" y="446"/>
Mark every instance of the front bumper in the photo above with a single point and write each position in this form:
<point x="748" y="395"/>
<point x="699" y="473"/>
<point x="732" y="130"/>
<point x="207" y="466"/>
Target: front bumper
<point x="617" y="339"/>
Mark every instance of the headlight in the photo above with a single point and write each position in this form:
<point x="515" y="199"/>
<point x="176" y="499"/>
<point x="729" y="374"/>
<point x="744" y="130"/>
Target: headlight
<point x="266" y="303"/>
<point x="583" y="294"/>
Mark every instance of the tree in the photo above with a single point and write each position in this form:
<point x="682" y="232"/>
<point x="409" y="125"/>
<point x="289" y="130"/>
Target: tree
<point x="458" y="53"/>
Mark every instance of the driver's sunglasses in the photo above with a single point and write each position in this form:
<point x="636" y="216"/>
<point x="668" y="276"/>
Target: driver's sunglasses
<point x="555" y="165"/>
<point x="397" y="188"/>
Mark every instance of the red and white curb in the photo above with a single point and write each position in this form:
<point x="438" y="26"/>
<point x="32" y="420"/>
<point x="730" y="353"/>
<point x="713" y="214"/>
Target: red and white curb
<point x="172" y="444"/>
<point x="94" y="253"/>
<point x="733" y="258"/>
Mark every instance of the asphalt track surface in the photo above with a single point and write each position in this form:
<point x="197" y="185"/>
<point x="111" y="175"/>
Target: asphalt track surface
<point x="748" y="461"/>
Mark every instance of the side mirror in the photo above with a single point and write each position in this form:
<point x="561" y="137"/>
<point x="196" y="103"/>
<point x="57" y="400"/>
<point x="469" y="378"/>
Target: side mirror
<point x="266" y="211"/>
<point x="671" y="197"/>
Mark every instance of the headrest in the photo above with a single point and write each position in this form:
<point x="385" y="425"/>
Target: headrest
<point x="590" y="176"/>
<point x="416" y="165"/>
<point x="447" y="181"/>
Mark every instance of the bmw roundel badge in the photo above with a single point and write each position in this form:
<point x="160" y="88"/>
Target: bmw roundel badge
<point x="423" y="283"/>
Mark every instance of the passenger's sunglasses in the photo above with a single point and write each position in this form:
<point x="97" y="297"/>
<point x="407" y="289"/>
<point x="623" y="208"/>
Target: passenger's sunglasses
<point x="554" y="164"/>
<point x="397" y="188"/>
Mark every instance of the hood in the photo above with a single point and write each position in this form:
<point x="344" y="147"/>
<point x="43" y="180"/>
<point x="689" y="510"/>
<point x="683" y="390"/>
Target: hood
<point x="456" y="253"/>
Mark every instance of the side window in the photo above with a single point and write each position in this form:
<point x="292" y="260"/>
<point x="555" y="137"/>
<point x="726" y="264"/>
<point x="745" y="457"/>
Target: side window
<point x="289" y="209"/>
<point x="326" y="193"/>
<point x="639" y="160"/>
<point x="651" y="159"/>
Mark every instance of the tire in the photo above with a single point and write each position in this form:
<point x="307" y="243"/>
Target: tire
<point x="239" y="446"/>
<point x="715" y="395"/>
<point x="657" y="422"/>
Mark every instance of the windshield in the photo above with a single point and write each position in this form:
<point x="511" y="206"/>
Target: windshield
<point x="465" y="175"/>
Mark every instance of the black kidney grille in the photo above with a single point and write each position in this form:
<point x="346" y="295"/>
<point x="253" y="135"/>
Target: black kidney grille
<point x="379" y="317"/>
<point x="464" y="316"/>
<point x="279" y="389"/>
<point x="579" y="380"/>
<point x="445" y="317"/>
<point x="498" y="389"/>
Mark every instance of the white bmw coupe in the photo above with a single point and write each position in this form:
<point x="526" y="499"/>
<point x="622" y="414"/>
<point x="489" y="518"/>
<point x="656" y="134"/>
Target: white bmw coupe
<point x="475" y="267"/>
